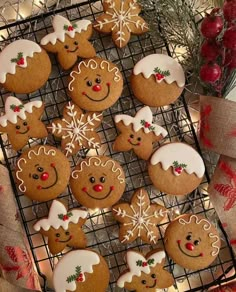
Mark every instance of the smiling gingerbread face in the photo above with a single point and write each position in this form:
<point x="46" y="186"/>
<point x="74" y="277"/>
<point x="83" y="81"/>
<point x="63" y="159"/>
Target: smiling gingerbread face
<point x="42" y="173"/>
<point x="192" y="241"/>
<point x="97" y="182"/>
<point x="95" y="84"/>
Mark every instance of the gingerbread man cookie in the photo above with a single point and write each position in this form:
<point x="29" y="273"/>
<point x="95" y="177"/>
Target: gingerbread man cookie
<point x="121" y="19"/>
<point x="138" y="133"/>
<point x="77" y="129"/>
<point x="192" y="241"/>
<point x="42" y="173"/>
<point x="22" y="121"/>
<point x="95" y="84"/>
<point x="63" y="228"/>
<point x="157" y="80"/>
<point x="81" y="271"/>
<point x="145" y="273"/>
<point x="69" y="41"/>
<point x="97" y="182"/>
<point x="139" y="218"/>
<point x="20" y="62"/>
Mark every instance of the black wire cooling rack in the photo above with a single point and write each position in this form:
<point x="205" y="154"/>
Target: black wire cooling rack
<point x="101" y="229"/>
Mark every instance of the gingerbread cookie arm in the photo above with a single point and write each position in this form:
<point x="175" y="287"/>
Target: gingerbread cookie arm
<point x="88" y="50"/>
<point x="86" y="34"/>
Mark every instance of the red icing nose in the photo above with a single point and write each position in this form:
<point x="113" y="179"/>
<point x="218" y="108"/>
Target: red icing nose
<point x="98" y="188"/>
<point x="189" y="246"/>
<point x="97" y="87"/>
<point x="44" y="176"/>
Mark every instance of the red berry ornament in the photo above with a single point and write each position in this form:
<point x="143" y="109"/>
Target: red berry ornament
<point x="212" y="26"/>
<point x="229" y="10"/>
<point x="229" y="38"/>
<point x="210" y="50"/>
<point x="210" y="72"/>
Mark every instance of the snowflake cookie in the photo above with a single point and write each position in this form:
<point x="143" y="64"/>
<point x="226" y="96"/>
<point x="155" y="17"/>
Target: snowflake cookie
<point x="121" y="19"/>
<point x="77" y="129"/>
<point x="139" y="218"/>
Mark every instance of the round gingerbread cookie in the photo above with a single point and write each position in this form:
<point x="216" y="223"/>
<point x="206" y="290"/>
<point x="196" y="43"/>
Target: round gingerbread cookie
<point x="145" y="273"/>
<point x="95" y="84"/>
<point x="81" y="271"/>
<point x="176" y="169"/>
<point x="97" y="182"/>
<point x="69" y="40"/>
<point x="42" y="173"/>
<point x="192" y="241"/>
<point x="20" y="62"/>
<point x="157" y="80"/>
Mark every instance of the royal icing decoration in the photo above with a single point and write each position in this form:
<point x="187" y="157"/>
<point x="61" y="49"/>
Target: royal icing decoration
<point x="134" y="260"/>
<point x="72" y="268"/>
<point x="15" y="54"/>
<point x="162" y="67"/>
<point x="77" y="129"/>
<point x="142" y="120"/>
<point x="178" y="167"/>
<point x="167" y="154"/>
<point x="206" y="225"/>
<point x="63" y="27"/>
<point x="14" y="109"/>
<point x="141" y="216"/>
<point x="96" y="161"/>
<point x="60" y="217"/>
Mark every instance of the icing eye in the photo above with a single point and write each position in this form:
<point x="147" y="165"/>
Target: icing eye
<point x="17" y="127"/>
<point x="102" y="179"/>
<point x="35" y="176"/>
<point x="143" y="282"/>
<point x="66" y="47"/>
<point x="139" y="138"/>
<point x="67" y="233"/>
<point x="98" y="80"/>
<point x="89" y="83"/>
<point x="40" y="169"/>
<point x="76" y="43"/>
<point x="153" y="276"/>
<point x="131" y="136"/>
<point x="196" y="242"/>
<point x="92" y="179"/>
<point x="57" y="234"/>
<point x="189" y="237"/>
<point x="25" y="124"/>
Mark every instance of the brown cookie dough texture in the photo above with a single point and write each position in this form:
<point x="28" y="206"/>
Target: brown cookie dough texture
<point x="145" y="273"/>
<point x="176" y="169"/>
<point x="25" y="67"/>
<point x="121" y="19"/>
<point x="192" y="241"/>
<point x="95" y="84"/>
<point x="157" y="80"/>
<point x="42" y="173"/>
<point x="69" y="41"/>
<point x="81" y="271"/>
<point x="97" y="182"/>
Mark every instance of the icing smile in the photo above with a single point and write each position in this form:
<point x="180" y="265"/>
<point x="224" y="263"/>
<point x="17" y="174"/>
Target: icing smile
<point x="134" y="144"/>
<point x="27" y="130"/>
<point x="96" y="198"/>
<point x="53" y="184"/>
<point x="72" y="51"/>
<point x="97" y="100"/>
<point x="63" y="241"/>
<point x="154" y="284"/>
<point x="192" y="256"/>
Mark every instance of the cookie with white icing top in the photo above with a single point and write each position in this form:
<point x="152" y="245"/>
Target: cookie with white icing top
<point x="157" y="80"/>
<point x="69" y="40"/>
<point x="81" y="271"/>
<point x="63" y="227"/>
<point x="22" y="121"/>
<point x="138" y="133"/>
<point x="20" y="62"/>
<point x="192" y="241"/>
<point x="145" y="273"/>
<point x="97" y="182"/>
<point x="95" y="84"/>
<point x="42" y="173"/>
<point x="176" y="168"/>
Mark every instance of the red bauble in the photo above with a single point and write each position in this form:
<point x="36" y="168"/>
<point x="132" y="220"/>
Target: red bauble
<point x="210" y="72"/>
<point x="210" y="50"/>
<point x="229" y="38"/>
<point x="230" y="59"/>
<point x="229" y="10"/>
<point x="212" y="26"/>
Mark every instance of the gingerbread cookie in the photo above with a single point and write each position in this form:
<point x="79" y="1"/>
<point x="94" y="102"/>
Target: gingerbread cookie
<point x="145" y="273"/>
<point x="81" y="271"/>
<point x="95" y="84"/>
<point x="69" y="41"/>
<point x="138" y="133"/>
<point x="77" y="129"/>
<point x="121" y="19"/>
<point x="42" y="173"/>
<point x="192" y="241"/>
<point x="157" y="80"/>
<point x="139" y="218"/>
<point x="63" y="228"/>
<point x="97" y="182"/>
<point x="22" y="121"/>
<point x="176" y="169"/>
<point x="20" y="62"/>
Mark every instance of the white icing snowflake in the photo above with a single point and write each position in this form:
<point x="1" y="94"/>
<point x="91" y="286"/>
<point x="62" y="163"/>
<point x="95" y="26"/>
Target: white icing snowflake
<point x="121" y="19"/>
<point x="76" y="129"/>
<point x="139" y="219"/>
